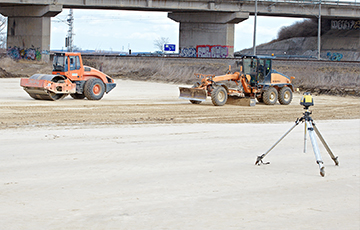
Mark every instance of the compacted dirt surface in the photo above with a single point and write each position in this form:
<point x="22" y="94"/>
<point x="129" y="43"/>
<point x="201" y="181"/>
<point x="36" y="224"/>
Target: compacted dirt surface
<point x="133" y="102"/>
<point x="141" y="158"/>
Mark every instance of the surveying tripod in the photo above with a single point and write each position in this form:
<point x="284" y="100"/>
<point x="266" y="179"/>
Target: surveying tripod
<point x="311" y="127"/>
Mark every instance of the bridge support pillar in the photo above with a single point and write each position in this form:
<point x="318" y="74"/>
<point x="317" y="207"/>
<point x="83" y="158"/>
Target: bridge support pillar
<point x="207" y="34"/>
<point x="29" y="28"/>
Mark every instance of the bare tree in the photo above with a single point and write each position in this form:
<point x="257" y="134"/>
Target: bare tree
<point x="2" y="32"/>
<point x="160" y="42"/>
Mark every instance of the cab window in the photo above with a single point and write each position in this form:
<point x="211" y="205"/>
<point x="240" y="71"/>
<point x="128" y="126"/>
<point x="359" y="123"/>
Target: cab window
<point x="72" y="63"/>
<point x="58" y="63"/>
<point x="262" y="71"/>
<point x="66" y="64"/>
<point x="267" y="66"/>
<point x="250" y="66"/>
<point x="77" y="63"/>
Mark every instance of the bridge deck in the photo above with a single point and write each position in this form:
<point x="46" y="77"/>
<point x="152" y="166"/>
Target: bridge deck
<point x="294" y="8"/>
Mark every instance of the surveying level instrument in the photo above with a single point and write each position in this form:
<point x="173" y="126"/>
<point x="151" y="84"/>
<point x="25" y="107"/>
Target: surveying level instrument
<point x="307" y="100"/>
<point x="310" y="127"/>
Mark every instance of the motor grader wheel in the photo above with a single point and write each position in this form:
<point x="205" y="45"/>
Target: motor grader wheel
<point x="94" y="89"/>
<point x="219" y="96"/>
<point x="270" y="96"/>
<point x="285" y="95"/>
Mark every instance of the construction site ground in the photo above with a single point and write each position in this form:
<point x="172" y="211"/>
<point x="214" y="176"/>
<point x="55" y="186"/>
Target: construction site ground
<point x="141" y="158"/>
<point x="139" y="102"/>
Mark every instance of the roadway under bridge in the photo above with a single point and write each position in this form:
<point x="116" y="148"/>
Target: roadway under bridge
<point x="203" y="23"/>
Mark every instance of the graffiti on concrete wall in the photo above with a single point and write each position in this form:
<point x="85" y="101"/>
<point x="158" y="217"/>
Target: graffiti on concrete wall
<point x="334" y="56"/>
<point x="188" y="52"/>
<point x="23" y="53"/>
<point x="210" y="51"/>
<point x="216" y="51"/>
<point x="345" y="24"/>
<point x="220" y="51"/>
<point x="203" y="51"/>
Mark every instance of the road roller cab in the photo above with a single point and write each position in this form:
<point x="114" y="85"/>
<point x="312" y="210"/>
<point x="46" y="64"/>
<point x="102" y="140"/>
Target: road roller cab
<point x="69" y="76"/>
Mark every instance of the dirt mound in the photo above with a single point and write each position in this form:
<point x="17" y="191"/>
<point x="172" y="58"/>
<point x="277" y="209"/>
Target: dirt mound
<point x="4" y="74"/>
<point x="337" y="91"/>
<point x="22" y="68"/>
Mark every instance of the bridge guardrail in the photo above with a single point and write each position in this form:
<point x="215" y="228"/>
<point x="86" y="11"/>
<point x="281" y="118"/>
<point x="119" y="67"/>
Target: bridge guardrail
<point x="315" y="2"/>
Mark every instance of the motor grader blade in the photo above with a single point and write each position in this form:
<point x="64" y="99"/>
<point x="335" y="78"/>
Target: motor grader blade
<point x="192" y="94"/>
<point x="47" y="87"/>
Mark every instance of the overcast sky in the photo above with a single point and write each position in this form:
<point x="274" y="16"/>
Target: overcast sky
<point x="119" y="30"/>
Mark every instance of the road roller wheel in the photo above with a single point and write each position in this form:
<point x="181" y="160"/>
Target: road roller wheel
<point x="94" y="89"/>
<point x="42" y="93"/>
<point x="35" y="96"/>
<point x="45" y="95"/>
<point x="56" y="96"/>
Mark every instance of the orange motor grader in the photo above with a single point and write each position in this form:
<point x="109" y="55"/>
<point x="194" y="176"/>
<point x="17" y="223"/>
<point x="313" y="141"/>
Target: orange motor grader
<point x="255" y="79"/>
<point x="69" y="76"/>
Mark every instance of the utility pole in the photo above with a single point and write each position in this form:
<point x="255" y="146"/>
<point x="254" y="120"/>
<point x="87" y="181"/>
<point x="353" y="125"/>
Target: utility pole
<point x="69" y="40"/>
<point x="319" y="31"/>
<point x="254" y="38"/>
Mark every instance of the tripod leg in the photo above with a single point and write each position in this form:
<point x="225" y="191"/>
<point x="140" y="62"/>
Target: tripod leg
<point x="259" y="158"/>
<point x="316" y="149"/>
<point x="305" y="134"/>
<point x="335" y="159"/>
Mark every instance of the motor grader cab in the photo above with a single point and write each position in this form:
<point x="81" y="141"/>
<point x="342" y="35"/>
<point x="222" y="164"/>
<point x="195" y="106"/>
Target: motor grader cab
<point x="256" y="68"/>
<point x="69" y="76"/>
<point x="254" y="78"/>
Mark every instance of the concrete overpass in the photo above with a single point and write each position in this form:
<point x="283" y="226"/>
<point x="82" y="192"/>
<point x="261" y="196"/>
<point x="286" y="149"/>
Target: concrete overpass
<point x="202" y="22"/>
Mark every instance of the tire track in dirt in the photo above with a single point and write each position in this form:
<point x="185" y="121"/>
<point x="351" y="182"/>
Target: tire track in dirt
<point x="13" y="116"/>
<point x="139" y="103"/>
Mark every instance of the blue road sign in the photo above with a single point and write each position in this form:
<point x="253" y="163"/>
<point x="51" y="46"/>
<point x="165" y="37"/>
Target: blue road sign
<point x="169" y="47"/>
